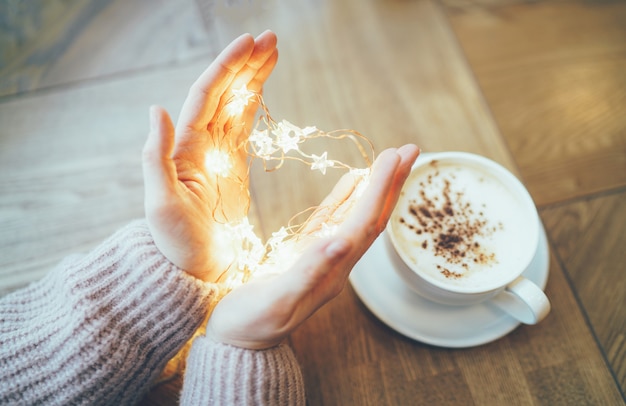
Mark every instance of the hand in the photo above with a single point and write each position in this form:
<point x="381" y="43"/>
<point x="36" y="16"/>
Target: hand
<point x="260" y="314"/>
<point x="185" y="204"/>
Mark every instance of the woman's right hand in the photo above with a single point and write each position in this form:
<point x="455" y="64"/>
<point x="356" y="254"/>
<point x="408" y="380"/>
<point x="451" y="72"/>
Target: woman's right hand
<point x="262" y="313"/>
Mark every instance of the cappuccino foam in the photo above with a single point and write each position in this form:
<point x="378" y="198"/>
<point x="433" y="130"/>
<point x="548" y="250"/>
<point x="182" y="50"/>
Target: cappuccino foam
<point x="460" y="226"/>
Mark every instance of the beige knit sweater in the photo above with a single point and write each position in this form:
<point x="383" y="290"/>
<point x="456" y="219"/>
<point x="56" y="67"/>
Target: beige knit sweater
<point x="98" y="329"/>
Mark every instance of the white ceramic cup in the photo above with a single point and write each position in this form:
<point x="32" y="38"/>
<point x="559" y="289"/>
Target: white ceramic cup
<point x="463" y="232"/>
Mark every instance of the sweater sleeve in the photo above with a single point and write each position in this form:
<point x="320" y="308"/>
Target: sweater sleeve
<point x="100" y="328"/>
<point x="220" y="374"/>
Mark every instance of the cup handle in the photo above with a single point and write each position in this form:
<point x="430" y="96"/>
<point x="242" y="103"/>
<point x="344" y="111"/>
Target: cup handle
<point x="523" y="300"/>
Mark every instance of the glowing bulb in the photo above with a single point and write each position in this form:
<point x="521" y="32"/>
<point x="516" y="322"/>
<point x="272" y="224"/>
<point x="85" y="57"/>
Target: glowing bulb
<point x="262" y="143"/>
<point x="250" y="249"/>
<point x="278" y="237"/>
<point x="218" y="163"/>
<point x="240" y="253"/>
<point x="246" y="255"/>
<point x="240" y="100"/>
<point x="284" y="139"/>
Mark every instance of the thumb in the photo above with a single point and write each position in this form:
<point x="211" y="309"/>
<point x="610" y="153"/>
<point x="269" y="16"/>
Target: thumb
<point x="159" y="171"/>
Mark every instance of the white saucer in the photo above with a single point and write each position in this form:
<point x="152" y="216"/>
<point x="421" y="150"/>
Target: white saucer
<point x="388" y="298"/>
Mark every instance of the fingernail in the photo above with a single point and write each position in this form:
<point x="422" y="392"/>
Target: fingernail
<point x="338" y="248"/>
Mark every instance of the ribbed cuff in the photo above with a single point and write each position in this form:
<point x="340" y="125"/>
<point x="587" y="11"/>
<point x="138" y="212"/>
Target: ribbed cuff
<point x="220" y="374"/>
<point x="99" y="329"/>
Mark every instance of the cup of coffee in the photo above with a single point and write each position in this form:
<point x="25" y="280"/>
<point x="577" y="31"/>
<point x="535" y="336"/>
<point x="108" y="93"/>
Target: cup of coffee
<point x="463" y="232"/>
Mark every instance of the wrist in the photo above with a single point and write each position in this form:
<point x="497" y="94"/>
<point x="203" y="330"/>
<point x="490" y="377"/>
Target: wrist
<point x="241" y="341"/>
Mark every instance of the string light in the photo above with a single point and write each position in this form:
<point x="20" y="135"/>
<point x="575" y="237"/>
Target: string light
<point x="274" y="143"/>
<point x="241" y="98"/>
<point x="218" y="163"/>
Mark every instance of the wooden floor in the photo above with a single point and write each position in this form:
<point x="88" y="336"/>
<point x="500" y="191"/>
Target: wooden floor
<point x="551" y="73"/>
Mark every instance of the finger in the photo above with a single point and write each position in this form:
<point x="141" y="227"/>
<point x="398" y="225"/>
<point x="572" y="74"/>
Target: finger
<point x="205" y="94"/>
<point x="346" y="184"/>
<point x="382" y="174"/>
<point x="158" y="168"/>
<point x="256" y="83"/>
<point x="363" y="221"/>
<point x="340" y="192"/>
<point x="264" y="49"/>
<point x="408" y="154"/>
<point x="374" y="208"/>
<point x="253" y="75"/>
<point x="333" y="204"/>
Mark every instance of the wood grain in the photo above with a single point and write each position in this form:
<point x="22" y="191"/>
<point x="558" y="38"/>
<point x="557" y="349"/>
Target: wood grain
<point x="589" y="238"/>
<point x="70" y="166"/>
<point x="554" y="75"/>
<point x="46" y="43"/>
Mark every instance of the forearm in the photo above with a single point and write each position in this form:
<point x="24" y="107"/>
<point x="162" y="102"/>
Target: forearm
<point x="98" y="330"/>
<point x="220" y="374"/>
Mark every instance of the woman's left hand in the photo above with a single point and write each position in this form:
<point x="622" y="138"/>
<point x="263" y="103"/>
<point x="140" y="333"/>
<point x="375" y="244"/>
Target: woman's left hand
<point x="185" y="204"/>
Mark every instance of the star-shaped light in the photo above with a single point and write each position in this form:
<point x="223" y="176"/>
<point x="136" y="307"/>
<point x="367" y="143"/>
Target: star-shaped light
<point x="284" y="139"/>
<point x="278" y="237"/>
<point x="259" y="137"/>
<point x="218" y="162"/>
<point x="240" y="100"/>
<point x="321" y="162"/>
<point x="248" y="256"/>
<point x="245" y="230"/>
<point x="263" y="144"/>
<point x="249" y="246"/>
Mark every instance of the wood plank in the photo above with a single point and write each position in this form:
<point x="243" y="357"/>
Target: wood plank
<point x="554" y="363"/>
<point x="554" y="75"/>
<point x="49" y="43"/>
<point x="70" y="166"/>
<point x="589" y="239"/>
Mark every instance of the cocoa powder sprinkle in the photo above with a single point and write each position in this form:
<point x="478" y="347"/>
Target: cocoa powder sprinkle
<point x="449" y="224"/>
